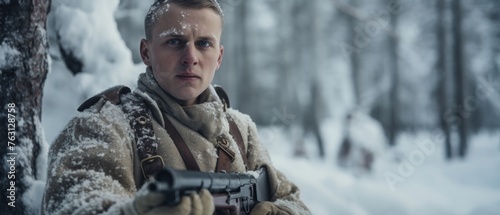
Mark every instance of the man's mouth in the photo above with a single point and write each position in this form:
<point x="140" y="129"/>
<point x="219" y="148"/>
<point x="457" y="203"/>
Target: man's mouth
<point x="188" y="76"/>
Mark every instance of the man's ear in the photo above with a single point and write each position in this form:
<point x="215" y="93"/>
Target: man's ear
<point x="144" y="49"/>
<point x="221" y="55"/>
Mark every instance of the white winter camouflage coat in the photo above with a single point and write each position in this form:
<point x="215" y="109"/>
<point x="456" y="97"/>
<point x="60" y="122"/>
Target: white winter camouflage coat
<point x="94" y="167"/>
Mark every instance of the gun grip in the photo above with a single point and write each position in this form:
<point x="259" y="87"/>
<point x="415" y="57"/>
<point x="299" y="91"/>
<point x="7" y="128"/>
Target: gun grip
<point x="226" y="205"/>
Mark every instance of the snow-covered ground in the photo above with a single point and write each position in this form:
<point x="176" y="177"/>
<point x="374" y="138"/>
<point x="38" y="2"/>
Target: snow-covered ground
<point x="418" y="184"/>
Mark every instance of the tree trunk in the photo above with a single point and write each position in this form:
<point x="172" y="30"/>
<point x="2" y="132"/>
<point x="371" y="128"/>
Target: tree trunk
<point x="459" y="76"/>
<point x="355" y="70"/>
<point x="394" y="101"/>
<point x="246" y="87"/>
<point x="23" y="69"/>
<point x="442" y="71"/>
<point x="286" y="80"/>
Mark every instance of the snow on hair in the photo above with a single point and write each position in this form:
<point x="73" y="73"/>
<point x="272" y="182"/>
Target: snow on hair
<point x="159" y="7"/>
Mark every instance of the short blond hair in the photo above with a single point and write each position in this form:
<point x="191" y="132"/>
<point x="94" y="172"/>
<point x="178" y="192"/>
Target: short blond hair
<point x="156" y="8"/>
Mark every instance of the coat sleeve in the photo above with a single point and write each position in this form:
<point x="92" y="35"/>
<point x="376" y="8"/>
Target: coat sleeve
<point x="91" y="165"/>
<point x="285" y="194"/>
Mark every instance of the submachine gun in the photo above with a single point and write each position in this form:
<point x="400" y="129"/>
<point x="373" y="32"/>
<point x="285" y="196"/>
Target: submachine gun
<point x="233" y="193"/>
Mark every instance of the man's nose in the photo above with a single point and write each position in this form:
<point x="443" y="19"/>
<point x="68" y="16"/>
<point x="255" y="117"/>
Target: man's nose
<point x="189" y="57"/>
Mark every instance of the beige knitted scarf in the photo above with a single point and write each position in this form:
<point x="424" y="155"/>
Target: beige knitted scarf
<point x="207" y="117"/>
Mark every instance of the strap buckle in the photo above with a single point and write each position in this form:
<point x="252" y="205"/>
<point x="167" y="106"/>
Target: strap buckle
<point x="150" y="161"/>
<point x="223" y="144"/>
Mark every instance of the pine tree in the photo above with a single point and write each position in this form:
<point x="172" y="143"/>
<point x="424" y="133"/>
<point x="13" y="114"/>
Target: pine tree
<point x="460" y="75"/>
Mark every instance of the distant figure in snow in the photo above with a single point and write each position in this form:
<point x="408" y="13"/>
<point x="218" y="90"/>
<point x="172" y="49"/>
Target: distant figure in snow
<point x="311" y="123"/>
<point x="363" y="140"/>
<point x="102" y="161"/>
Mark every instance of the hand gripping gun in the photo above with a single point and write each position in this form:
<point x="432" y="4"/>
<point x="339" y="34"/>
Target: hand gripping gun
<point x="233" y="193"/>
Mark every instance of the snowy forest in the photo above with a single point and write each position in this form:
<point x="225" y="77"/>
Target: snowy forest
<point x="370" y="107"/>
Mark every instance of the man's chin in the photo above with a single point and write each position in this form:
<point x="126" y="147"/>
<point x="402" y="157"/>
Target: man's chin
<point x="187" y="98"/>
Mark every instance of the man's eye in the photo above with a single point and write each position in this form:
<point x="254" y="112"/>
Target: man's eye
<point x="203" y="43"/>
<point x="174" y="42"/>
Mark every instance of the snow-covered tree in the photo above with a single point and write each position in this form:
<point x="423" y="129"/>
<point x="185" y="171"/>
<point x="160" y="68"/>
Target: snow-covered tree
<point x="23" y="69"/>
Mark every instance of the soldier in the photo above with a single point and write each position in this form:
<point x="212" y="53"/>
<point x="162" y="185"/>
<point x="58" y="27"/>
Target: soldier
<point x="104" y="158"/>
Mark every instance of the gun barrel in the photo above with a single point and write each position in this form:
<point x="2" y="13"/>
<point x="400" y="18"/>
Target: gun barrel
<point x="169" y="179"/>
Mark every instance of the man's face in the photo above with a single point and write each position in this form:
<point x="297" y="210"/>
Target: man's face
<point x="184" y="51"/>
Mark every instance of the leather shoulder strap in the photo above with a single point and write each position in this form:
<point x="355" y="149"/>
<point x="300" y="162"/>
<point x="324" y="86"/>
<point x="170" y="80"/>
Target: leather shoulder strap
<point x="222" y="96"/>
<point x="112" y="94"/>
<point x="235" y="132"/>
<point x="140" y="122"/>
<point x="226" y="155"/>
<point x="186" y="154"/>
<point x="233" y="128"/>
<point x="146" y="142"/>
